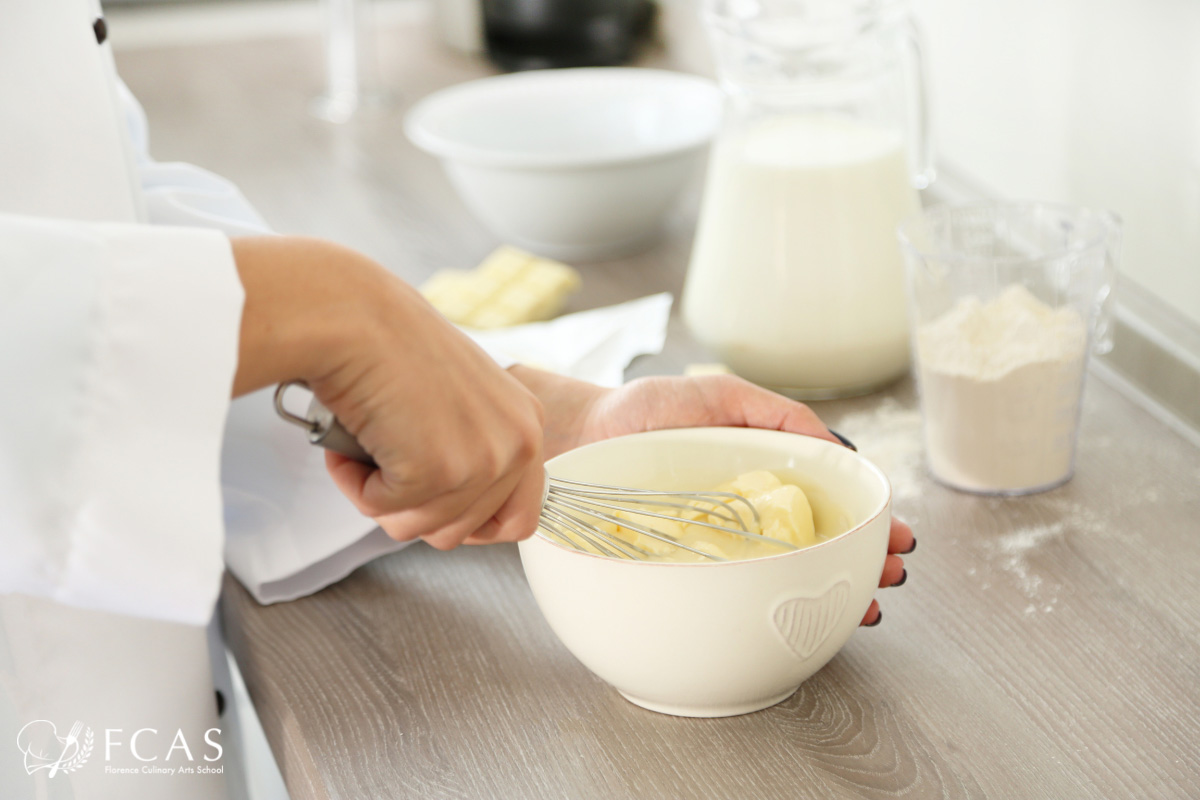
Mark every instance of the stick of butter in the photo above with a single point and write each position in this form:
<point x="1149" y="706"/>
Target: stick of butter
<point x="694" y="370"/>
<point x="510" y="287"/>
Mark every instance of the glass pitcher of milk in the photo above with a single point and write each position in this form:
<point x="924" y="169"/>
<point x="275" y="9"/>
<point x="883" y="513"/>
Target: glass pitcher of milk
<point x="796" y="280"/>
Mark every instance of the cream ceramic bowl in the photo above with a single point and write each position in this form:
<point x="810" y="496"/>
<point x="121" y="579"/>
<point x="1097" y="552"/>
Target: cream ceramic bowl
<point x="576" y="164"/>
<point x="714" y="639"/>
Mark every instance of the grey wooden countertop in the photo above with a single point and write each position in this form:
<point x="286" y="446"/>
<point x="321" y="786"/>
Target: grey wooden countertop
<point x="1043" y="647"/>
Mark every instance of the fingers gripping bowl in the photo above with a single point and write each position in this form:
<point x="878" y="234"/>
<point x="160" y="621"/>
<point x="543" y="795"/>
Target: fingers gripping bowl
<point x="715" y="639"/>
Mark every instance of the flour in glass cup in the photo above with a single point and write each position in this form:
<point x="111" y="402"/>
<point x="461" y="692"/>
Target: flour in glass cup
<point x="1000" y="386"/>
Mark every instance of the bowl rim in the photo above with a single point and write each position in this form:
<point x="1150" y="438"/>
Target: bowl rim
<point x="882" y="508"/>
<point x="445" y="148"/>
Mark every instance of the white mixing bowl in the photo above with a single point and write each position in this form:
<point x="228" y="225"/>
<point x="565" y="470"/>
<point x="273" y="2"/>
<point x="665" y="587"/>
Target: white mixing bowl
<point x="714" y="639"/>
<point x="576" y="164"/>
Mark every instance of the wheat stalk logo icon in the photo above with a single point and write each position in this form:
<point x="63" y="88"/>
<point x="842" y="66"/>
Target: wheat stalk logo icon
<point x="44" y="749"/>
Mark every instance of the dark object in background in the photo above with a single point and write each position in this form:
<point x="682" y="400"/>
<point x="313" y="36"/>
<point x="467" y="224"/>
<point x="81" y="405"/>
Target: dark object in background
<point x="534" y="34"/>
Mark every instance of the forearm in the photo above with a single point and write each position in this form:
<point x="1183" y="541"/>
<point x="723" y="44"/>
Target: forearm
<point x="312" y="305"/>
<point x="567" y="403"/>
<point x="307" y="301"/>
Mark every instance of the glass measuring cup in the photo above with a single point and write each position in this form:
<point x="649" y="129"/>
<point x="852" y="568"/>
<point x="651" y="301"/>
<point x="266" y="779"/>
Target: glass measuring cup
<point x="1007" y="301"/>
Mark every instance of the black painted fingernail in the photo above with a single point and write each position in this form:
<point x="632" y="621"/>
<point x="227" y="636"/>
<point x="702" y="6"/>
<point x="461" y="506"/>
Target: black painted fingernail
<point x="878" y="620"/>
<point x="911" y="547"/>
<point x="844" y="440"/>
<point x="903" y="578"/>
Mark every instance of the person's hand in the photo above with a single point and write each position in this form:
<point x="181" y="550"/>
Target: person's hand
<point x="458" y="440"/>
<point x="578" y="413"/>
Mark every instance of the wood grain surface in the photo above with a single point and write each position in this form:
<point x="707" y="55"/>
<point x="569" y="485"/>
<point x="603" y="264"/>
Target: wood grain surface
<point x="1043" y="647"/>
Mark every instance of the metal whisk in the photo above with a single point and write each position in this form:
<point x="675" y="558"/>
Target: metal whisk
<point x="568" y="505"/>
<point x="573" y="510"/>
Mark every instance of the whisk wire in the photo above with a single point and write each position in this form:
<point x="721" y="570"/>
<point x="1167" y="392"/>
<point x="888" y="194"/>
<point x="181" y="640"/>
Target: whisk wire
<point x="588" y="506"/>
<point x="592" y="511"/>
<point x="722" y="510"/>
<point x="562" y="532"/>
<point x="555" y="522"/>
<point x="629" y="494"/>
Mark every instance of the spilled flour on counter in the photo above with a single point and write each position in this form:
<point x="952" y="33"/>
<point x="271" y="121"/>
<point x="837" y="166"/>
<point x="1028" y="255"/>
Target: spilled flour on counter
<point x="1013" y="551"/>
<point x="1025" y="540"/>
<point x="890" y="436"/>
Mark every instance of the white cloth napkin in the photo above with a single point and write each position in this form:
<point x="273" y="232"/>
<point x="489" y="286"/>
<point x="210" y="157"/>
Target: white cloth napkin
<point x="289" y="532"/>
<point x="594" y="346"/>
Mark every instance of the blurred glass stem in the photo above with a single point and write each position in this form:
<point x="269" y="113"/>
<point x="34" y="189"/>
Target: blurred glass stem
<point x="351" y="64"/>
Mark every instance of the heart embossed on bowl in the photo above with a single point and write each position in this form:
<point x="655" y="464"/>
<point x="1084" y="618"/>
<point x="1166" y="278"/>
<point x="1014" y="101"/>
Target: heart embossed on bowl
<point x="805" y="623"/>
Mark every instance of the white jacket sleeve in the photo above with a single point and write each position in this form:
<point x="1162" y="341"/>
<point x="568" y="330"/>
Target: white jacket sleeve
<point x="118" y="346"/>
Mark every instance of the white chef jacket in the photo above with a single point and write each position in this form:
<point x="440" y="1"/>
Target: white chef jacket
<point x="138" y="439"/>
<point x="117" y="350"/>
<point x="118" y="344"/>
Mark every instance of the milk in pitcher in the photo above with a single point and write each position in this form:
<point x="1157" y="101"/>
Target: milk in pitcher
<point x="796" y="279"/>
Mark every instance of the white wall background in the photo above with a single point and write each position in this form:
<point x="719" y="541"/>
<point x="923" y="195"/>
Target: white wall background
<point x="1095" y="102"/>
